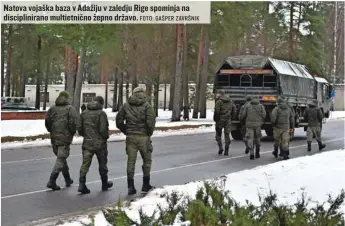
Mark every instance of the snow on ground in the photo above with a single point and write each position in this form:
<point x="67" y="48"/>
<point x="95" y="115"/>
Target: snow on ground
<point x="23" y="128"/>
<point x="312" y="175"/>
<point x="337" y="115"/>
<point x="114" y="137"/>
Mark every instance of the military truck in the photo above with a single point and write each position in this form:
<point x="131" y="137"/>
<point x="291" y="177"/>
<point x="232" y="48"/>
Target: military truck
<point x="270" y="78"/>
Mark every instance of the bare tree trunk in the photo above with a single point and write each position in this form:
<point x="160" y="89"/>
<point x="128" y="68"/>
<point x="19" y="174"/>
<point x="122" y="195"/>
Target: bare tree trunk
<point x="13" y="83"/>
<point x="149" y="92"/>
<point x="9" y="61"/>
<point x="172" y="92"/>
<point x="69" y="71"/>
<point x="291" y="31"/>
<point x="158" y="69"/>
<point x="127" y="86"/>
<point x="46" y="83"/>
<point x="79" y="80"/>
<point x="105" y="78"/>
<point x="2" y="58"/>
<point x="134" y="67"/>
<point x="172" y="75"/>
<point x="198" y="71"/>
<point x="120" y="101"/>
<point x="204" y="76"/>
<point x="165" y="96"/>
<point x="185" y="72"/>
<point x="22" y="82"/>
<point x="178" y="74"/>
<point x="115" y="90"/>
<point x="38" y="75"/>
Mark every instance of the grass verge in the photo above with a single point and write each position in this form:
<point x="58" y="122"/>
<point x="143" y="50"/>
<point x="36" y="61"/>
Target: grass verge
<point x="47" y="136"/>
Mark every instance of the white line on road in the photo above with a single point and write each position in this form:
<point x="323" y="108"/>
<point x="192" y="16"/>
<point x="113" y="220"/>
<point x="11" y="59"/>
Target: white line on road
<point x="30" y="160"/>
<point x="164" y="170"/>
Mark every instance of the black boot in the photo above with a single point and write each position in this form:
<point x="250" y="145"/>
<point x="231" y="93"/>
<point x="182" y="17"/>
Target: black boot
<point x="246" y="151"/>
<point x="285" y="155"/>
<point x="67" y="177"/>
<point x="146" y="185"/>
<point x="131" y="187"/>
<point x="257" y="152"/>
<point x="52" y="182"/>
<point x="105" y="183"/>
<point x="220" y="148"/>
<point x="227" y="147"/>
<point x="309" y="146"/>
<point x="82" y="186"/>
<point x="251" y="156"/>
<point x="321" y="146"/>
<point x="275" y="152"/>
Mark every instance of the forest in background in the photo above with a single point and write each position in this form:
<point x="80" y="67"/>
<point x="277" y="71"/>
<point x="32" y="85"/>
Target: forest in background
<point x="310" y="33"/>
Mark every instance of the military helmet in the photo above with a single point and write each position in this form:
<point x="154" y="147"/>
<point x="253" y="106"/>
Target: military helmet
<point x="280" y="100"/>
<point x="249" y="98"/>
<point x="139" y="90"/>
<point x="99" y="99"/>
<point x="64" y="94"/>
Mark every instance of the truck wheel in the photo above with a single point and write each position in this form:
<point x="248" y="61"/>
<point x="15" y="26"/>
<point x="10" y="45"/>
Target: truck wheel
<point x="269" y="132"/>
<point x="237" y="134"/>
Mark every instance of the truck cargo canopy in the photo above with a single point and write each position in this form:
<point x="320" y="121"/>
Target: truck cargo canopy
<point x="259" y="62"/>
<point x="320" y="80"/>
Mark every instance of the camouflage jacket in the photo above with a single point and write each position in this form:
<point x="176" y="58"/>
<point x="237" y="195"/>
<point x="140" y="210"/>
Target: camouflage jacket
<point x="241" y="111"/>
<point x="224" y="110"/>
<point x="61" y="122"/>
<point x="282" y="117"/>
<point x="94" y="127"/>
<point x="136" y="117"/>
<point x="253" y="114"/>
<point x="313" y="116"/>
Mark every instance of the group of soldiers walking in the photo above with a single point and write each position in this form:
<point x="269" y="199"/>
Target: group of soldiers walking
<point x="252" y="116"/>
<point x="136" y="119"/>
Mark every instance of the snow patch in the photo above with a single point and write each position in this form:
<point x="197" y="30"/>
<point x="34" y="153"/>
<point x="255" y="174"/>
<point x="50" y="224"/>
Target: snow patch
<point x="311" y="175"/>
<point x="112" y="138"/>
<point x="24" y="128"/>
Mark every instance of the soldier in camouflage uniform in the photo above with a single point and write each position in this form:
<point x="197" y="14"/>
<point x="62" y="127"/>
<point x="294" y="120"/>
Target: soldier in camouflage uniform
<point x="243" y="123"/>
<point x="61" y="123"/>
<point x="313" y="115"/>
<point x="94" y="128"/>
<point x="136" y="119"/>
<point x="224" y="110"/>
<point x="254" y="116"/>
<point x="282" y="121"/>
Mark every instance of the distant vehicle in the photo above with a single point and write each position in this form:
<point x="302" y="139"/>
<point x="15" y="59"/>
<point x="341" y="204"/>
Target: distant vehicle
<point x="15" y="104"/>
<point x="269" y="79"/>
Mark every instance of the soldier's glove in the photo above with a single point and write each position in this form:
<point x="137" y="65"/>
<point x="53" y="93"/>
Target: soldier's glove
<point x="149" y="146"/>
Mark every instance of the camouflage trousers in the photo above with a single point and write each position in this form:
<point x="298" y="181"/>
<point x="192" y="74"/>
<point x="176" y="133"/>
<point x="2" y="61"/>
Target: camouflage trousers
<point x="62" y="153"/>
<point x="227" y="129"/>
<point x="102" y="157"/>
<point x="143" y="144"/>
<point x="314" y="131"/>
<point x="281" y="139"/>
<point x="253" y="136"/>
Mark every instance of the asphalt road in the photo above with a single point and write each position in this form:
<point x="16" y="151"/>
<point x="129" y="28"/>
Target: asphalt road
<point x="176" y="160"/>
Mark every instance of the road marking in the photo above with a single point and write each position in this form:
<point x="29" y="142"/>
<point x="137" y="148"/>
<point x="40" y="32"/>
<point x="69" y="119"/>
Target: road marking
<point x="74" y="155"/>
<point x="165" y="170"/>
<point x="30" y="160"/>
